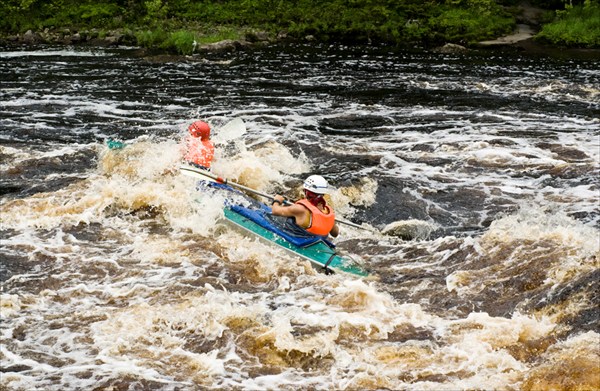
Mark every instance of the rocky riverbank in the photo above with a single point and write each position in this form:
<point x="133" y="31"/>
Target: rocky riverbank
<point x="120" y="37"/>
<point x="93" y="37"/>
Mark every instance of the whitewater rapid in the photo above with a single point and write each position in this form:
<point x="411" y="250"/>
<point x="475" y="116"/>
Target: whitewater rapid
<point x="117" y="273"/>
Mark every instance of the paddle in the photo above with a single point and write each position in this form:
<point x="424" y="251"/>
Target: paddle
<point x="114" y="144"/>
<point x="199" y="173"/>
<point x="233" y="129"/>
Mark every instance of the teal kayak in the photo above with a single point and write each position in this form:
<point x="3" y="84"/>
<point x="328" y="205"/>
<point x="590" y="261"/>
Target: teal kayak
<point x="255" y="218"/>
<point x="319" y="251"/>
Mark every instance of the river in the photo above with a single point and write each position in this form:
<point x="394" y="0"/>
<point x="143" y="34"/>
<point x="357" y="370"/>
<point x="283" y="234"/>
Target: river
<point x="478" y="171"/>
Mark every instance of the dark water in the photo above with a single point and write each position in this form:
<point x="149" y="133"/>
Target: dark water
<point x="116" y="273"/>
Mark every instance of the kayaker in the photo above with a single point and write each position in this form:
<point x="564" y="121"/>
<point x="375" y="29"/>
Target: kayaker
<point x="199" y="150"/>
<point x="311" y="213"/>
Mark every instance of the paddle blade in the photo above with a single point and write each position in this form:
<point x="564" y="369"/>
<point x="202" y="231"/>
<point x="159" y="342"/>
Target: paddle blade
<point x="114" y="144"/>
<point x="197" y="173"/>
<point x="232" y="130"/>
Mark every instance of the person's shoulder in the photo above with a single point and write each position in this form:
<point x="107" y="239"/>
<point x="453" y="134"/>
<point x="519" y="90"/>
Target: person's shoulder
<point x="300" y="206"/>
<point x="302" y="203"/>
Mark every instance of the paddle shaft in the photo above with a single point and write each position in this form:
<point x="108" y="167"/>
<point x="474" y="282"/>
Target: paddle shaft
<point x="250" y="190"/>
<point x="235" y="128"/>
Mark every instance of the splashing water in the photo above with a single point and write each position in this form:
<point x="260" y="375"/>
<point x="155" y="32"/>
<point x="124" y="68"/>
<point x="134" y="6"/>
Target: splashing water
<point x="118" y="274"/>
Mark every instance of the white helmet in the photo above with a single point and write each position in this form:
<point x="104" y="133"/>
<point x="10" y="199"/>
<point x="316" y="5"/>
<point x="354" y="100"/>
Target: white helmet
<point x="317" y="184"/>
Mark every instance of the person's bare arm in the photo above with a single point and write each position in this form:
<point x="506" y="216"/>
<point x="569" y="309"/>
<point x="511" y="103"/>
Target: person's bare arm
<point x="278" y="209"/>
<point x="300" y="214"/>
<point x="335" y="231"/>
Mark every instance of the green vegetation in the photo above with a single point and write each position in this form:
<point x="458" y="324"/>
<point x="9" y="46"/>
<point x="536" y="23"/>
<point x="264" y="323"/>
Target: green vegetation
<point x="180" y="25"/>
<point x="575" y="26"/>
<point x="182" y="41"/>
<point x="471" y="24"/>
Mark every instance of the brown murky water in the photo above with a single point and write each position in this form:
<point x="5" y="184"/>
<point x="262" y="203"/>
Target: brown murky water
<point x="117" y="274"/>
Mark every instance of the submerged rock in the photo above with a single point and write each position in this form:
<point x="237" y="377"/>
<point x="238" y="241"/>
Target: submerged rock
<point x="409" y="229"/>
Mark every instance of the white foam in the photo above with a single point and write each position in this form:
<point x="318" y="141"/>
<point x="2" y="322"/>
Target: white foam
<point x="131" y="245"/>
<point x="54" y="53"/>
<point x="9" y="305"/>
<point x="532" y="222"/>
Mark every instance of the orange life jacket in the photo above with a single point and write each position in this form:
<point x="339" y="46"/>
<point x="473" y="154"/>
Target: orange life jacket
<point x="199" y="151"/>
<point x="320" y="223"/>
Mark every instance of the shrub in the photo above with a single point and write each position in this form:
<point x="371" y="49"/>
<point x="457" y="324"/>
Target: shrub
<point x="151" y="38"/>
<point x="181" y="42"/>
<point x="469" y="25"/>
<point x="577" y="26"/>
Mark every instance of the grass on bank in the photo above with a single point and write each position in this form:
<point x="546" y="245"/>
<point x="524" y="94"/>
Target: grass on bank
<point x="577" y="26"/>
<point x="459" y="25"/>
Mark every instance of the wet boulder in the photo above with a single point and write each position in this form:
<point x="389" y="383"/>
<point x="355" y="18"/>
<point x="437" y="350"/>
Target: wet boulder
<point x="451" y="48"/>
